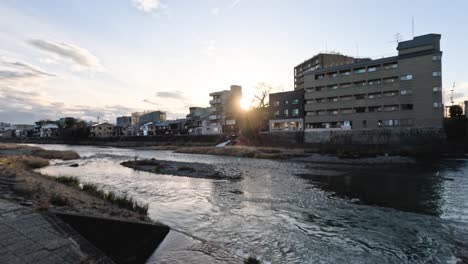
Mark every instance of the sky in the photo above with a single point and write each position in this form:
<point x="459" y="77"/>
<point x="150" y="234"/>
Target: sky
<point x="106" y="58"/>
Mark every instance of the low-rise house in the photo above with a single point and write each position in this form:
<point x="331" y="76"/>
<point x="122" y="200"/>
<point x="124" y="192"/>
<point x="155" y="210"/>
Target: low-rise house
<point x="102" y="130"/>
<point x="4" y="126"/>
<point x="21" y="130"/>
<point x="7" y="133"/>
<point x="48" y="130"/>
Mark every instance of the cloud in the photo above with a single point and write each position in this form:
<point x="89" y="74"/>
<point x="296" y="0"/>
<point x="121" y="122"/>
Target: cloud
<point x="80" y="56"/>
<point x="234" y="3"/>
<point x="215" y="11"/>
<point x="16" y="73"/>
<point x="178" y="95"/>
<point x="147" y="6"/>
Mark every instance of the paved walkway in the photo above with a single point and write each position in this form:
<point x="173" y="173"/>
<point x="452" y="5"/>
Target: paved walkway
<point x="30" y="237"/>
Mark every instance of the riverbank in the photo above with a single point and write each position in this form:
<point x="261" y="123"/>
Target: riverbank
<point x="19" y="183"/>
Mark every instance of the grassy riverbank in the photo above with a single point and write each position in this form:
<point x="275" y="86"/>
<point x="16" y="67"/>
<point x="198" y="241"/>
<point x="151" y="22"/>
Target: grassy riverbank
<point x="17" y="164"/>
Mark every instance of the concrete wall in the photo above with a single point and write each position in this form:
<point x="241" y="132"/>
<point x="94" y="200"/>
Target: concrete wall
<point x="397" y="137"/>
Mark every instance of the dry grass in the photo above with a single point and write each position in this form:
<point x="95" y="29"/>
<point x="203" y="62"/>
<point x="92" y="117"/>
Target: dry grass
<point x="28" y="162"/>
<point x="55" y="154"/>
<point x="246" y="152"/>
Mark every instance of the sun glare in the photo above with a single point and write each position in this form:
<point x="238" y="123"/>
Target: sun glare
<point x="245" y="103"/>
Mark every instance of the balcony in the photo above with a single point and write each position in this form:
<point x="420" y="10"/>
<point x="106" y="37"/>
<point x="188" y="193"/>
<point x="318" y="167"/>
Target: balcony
<point x="214" y="117"/>
<point x="215" y="101"/>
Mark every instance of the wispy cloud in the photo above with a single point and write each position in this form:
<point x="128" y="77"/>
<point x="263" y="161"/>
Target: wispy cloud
<point x="148" y="6"/>
<point x="234" y="3"/>
<point x="215" y="11"/>
<point x="80" y="56"/>
<point x="178" y="95"/>
<point x="17" y="73"/>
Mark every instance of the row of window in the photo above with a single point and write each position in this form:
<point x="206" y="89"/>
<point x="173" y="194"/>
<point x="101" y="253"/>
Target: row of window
<point x="294" y="112"/>
<point x="286" y="102"/>
<point x="406" y="77"/>
<point x="360" y="70"/>
<point x="360" y="96"/>
<point x="380" y="123"/>
<point x="370" y="109"/>
<point x="286" y="126"/>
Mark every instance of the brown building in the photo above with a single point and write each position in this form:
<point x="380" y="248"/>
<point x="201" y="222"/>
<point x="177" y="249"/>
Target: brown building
<point x="318" y="62"/>
<point x="400" y="91"/>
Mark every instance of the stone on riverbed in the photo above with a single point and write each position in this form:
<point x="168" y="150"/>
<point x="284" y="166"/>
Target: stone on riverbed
<point x="177" y="168"/>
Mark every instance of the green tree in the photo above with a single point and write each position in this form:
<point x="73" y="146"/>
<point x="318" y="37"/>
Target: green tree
<point x="455" y="111"/>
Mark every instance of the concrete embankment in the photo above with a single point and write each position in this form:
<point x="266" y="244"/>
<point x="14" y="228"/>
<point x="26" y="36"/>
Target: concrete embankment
<point x="43" y="220"/>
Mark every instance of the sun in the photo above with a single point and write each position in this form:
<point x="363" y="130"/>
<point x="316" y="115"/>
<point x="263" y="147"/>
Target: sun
<point x="245" y="103"/>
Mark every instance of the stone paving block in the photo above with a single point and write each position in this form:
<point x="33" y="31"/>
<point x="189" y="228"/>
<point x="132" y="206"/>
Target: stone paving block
<point x="52" y="259"/>
<point x="55" y="243"/>
<point x="26" y="248"/>
<point x="33" y="257"/>
<point x="12" y="238"/>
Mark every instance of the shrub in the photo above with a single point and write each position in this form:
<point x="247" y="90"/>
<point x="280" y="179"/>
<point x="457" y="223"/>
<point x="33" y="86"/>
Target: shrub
<point x="70" y="181"/>
<point x="251" y="260"/>
<point x="59" y="200"/>
<point x="55" y="154"/>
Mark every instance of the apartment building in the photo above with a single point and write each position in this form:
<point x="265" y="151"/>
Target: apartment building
<point x="319" y="61"/>
<point x="466" y="109"/>
<point x="400" y="91"/>
<point x="225" y="107"/>
<point x="286" y="111"/>
<point x="124" y="121"/>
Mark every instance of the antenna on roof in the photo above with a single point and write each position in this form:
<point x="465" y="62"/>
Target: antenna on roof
<point x="397" y="38"/>
<point x="451" y="95"/>
<point x="412" y="25"/>
<point x="357" y="50"/>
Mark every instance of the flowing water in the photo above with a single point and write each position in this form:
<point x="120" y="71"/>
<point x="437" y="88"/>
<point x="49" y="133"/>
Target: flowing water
<point x="297" y="211"/>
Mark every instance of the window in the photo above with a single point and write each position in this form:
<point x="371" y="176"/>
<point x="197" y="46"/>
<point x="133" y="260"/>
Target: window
<point x="277" y="103"/>
<point x="364" y="123"/>
<point x="346" y="98"/>
<point x="333" y="112"/>
<point x="390" y="108"/>
<point x="406" y="92"/>
<point x="406" y="122"/>
<point x="390" y="93"/>
<point x="390" y="80"/>
<point x="374" y="82"/>
<point x="360" y="70"/>
<point x="310" y="101"/>
<point x="276" y="125"/>
<point x="437" y="104"/>
<point x="406" y="77"/>
<point x="319" y="76"/>
<point x="230" y="122"/>
<point x="333" y="86"/>
<point x="392" y="65"/>
<point x="374" y="95"/>
<point x="436" y="74"/>
<point x="321" y="112"/>
<point x="295" y="112"/>
<point x="391" y="122"/>
<point x="295" y="101"/>
<point x="361" y="83"/>
<point x="360" y="109"/>
<point x="277" y="113"/>
<point x="437" y="89"/>
<point x="345" y="85"/>
<point x="379" y="123"/>
<point x="332" y="74"/>
<point x="286" y="112"/>
<point x="373" y="68"/>
<point x="347" y="111"/>
<point x="406" y="107"/>
<point x="373" y="109"/>
<point x="313" y="113"/>
<point x="318" y="89"/>
<point x="333" y="99"/>
<point x="345" y="73"/>
<point x="286" y="102"/>
<point x="360" y="96"/>
<point x="436" y="57"/>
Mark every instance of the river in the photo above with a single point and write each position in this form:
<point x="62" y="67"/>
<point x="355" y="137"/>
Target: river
<point x="296" y="211"/>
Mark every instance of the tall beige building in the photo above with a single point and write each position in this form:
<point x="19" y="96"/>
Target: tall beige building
<point x="400" y="91"/>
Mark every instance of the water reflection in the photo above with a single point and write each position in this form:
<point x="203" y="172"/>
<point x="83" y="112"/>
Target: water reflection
<point x="413" y="188"/>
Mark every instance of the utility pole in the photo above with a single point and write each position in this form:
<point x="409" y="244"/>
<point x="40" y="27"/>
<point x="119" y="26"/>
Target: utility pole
<point x="451" y="95"/>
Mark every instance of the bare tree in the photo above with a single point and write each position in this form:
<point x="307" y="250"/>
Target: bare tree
<point x="262" y="91"/>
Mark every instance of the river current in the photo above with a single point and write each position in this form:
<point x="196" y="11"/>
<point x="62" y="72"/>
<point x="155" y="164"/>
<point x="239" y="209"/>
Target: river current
<point x="298" y="211"/>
